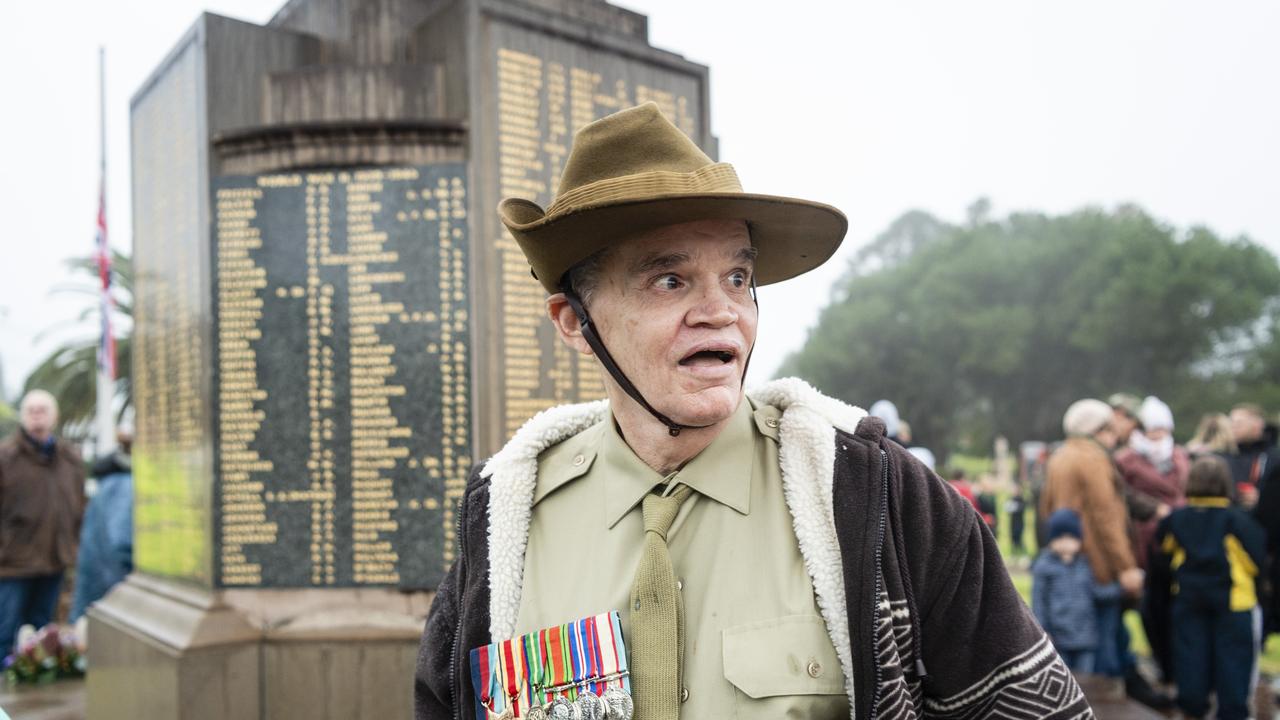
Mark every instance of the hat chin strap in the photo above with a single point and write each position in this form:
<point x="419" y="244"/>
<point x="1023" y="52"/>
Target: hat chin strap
<point x="597" y="346"/>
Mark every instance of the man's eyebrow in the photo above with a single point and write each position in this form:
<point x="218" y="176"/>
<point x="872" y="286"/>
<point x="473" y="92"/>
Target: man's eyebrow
<point x="747" y="254"/>
<point x="664" y="261"/>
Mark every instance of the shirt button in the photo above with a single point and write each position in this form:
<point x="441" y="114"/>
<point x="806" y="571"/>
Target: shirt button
<point x="679" y="585"/>
<point x="771" y="422"/>
<point x="578" y="460"/>
<point x="815" y="669"/>
<point x="684" y="694"/>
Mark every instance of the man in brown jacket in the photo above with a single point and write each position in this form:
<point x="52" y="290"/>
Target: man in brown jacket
<point x="41" y="502"/>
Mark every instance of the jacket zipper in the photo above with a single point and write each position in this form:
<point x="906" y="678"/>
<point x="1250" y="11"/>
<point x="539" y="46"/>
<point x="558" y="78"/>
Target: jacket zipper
<point x="457" y="631"/>
<point x="875" y="599"/>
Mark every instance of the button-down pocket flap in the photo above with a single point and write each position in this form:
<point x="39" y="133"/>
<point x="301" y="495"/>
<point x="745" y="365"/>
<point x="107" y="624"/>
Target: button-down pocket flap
<point x="785" y="656"/>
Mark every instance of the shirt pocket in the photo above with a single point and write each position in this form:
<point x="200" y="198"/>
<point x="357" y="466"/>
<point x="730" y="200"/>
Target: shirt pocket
<point x="784" y="667"/>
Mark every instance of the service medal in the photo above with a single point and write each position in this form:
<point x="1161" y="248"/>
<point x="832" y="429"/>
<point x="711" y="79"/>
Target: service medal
<point x="593" y="707"/>
<point x="618" y="704"/>
<point x="536" y="713"/>
<point x="562" y="709"/>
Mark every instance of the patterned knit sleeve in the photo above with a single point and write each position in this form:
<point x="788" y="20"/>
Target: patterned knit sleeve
<point x="984" y="652"/>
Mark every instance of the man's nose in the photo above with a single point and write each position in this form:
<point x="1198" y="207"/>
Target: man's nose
<point x="714" y="307"/>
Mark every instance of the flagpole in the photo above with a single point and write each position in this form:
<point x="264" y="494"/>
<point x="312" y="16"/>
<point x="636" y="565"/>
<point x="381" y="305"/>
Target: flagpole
<point x="106" y="433"/>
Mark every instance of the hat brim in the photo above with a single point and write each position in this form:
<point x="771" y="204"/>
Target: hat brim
<point x="791" y="236"/>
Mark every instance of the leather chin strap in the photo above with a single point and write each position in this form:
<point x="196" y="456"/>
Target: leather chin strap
<point x="597" y="346"/>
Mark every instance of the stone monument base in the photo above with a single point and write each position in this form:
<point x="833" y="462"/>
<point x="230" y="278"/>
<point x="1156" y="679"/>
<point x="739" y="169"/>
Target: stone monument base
<point x="159" y="649"/>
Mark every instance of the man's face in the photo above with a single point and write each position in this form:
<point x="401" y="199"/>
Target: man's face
<point x="38" y="417"/>
<point x="674" y="308"/>
<point x="1107" y="436"/>
<point x="1122" y="423"/>
<point x="1245" y="425"/>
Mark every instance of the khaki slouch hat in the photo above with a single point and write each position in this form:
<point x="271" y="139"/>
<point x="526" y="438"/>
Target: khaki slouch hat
<point x="634" y="171"/>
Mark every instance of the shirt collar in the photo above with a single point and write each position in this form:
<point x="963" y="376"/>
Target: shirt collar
<point x="721" y="472"/>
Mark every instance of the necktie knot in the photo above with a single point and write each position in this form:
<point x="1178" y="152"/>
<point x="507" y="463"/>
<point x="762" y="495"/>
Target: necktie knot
<point x="660" y="512"/>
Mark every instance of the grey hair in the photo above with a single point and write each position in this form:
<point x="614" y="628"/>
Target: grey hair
<point x="583" y="278"/>
<point x="39" y="395"/>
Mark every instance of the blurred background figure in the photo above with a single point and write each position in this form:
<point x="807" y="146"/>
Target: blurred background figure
<point x="1016" y="508"/>
<point x="1125" y="409"/>
<point x="1256" y="459"/>
<point x="1155" y="469"/>
<point x="1213" y="437"/>
<point x="41" y="503"/>
<point x="1212" y="553"/>
<point x="960" y="483"/>
<point x="106" y="538"/>
<point x="1065" y="595"/>
<point x="888" y="412"/>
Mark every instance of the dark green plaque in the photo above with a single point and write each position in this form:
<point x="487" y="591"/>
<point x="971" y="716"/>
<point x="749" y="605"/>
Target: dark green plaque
<point x="341" y="364"/>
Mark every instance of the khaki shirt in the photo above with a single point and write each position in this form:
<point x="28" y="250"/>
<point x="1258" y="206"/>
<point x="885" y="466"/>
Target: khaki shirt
<point x="756" y="645"/>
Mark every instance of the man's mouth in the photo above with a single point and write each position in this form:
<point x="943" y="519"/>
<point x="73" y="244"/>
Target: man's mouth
<point x="709" y="357"/>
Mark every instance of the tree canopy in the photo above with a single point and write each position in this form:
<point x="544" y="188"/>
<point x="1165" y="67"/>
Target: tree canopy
<point x="997" y="325"/>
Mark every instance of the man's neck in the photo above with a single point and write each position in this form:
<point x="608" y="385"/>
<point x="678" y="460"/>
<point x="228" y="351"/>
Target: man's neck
<point x="652" y="442"/>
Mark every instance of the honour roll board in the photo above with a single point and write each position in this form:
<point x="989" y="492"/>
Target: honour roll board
<point x="341" y="368"/>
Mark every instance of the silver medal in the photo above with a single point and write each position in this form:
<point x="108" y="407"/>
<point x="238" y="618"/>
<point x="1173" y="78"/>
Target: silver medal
<point x="536" y="713"/>
<point x="618" y="704"/>
<point x="593" y="707"/>
<point x="562" y="709"/>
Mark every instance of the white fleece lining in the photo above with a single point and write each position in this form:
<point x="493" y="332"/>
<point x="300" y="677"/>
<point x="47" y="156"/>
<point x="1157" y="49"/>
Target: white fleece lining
<point x="806" y="454"/>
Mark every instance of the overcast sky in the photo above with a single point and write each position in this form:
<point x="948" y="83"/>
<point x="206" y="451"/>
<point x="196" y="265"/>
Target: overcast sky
<point x="876" y="108"/>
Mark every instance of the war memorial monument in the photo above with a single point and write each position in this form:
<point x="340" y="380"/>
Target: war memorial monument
<point x="331" y="326"/>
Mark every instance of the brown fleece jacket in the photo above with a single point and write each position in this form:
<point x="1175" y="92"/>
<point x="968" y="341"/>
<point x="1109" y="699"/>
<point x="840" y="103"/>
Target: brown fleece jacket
<point x="1081" y="476"/>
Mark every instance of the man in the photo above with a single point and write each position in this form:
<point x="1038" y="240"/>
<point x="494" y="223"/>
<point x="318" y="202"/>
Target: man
<point x="41" y="503"/>
<point x="1126" y="419"/>
<point x="771" y="555"/>
<point x="106" y="539"/>
<point x="1256" y="458"/>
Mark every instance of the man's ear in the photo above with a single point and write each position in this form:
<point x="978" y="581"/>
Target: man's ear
<point x="567" y="325"/>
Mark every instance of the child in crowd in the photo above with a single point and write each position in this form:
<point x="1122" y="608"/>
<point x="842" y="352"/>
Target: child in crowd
<point x="1207" y="556"/>
<point x="1064" y="593"/>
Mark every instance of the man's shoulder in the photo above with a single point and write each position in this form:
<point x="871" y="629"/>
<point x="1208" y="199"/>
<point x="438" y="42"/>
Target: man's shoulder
<point x="568" y="459"/>
<point x="69" y="454"/>
<point x="9" y="447"/>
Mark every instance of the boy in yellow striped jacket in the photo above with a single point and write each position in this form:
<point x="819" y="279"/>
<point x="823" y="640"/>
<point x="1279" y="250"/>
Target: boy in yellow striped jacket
<point x="1207" y="555"/>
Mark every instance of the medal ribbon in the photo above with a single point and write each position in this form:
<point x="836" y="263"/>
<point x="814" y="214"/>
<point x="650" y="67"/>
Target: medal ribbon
<point x="621" y="649"/>
<point x="608" y="651"/>
<point x="533" y="655"/>
<point x="555" y="656"/>
<point x="515" y="671"/>
<point x="593" y="653"/>
<point x="479" y="678"/>
<point x="500" y="699"/>
<point x="579" y="654"/>
<point x="566" y="643"/>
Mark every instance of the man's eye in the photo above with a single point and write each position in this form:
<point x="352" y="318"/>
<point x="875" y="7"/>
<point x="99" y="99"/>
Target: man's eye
<point x="667" y="282"/>
<point x="738" y="279"/>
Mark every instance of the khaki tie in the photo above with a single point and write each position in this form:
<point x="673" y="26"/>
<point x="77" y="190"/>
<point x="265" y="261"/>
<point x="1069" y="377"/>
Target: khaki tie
<point x="657" y="615"/>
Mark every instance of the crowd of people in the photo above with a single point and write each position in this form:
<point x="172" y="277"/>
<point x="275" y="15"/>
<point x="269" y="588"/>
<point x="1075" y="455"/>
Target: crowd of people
<point x="1186" y="536"/>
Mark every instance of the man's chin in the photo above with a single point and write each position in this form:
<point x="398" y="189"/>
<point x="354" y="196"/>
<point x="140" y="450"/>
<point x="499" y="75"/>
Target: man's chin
<point x="708" y="406"/>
